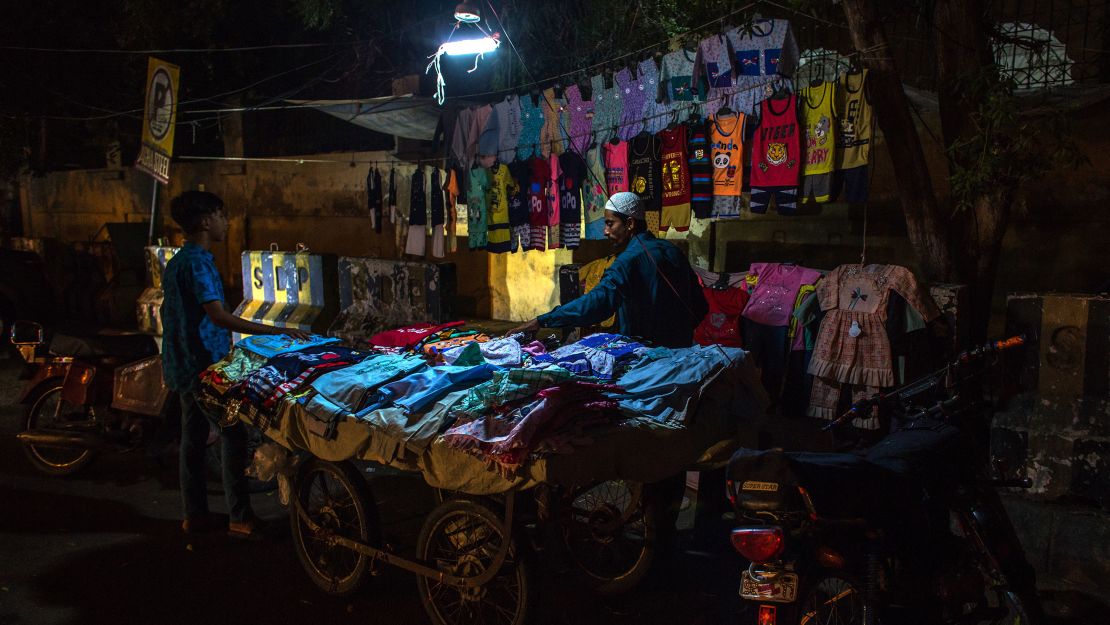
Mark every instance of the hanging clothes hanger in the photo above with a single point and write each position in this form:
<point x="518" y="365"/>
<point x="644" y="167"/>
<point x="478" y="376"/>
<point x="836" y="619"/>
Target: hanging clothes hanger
<point x="674" y="120"/>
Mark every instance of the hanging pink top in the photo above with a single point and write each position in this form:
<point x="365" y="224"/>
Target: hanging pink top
<point x="772" y="301"/>
<point x="616" y="167"/>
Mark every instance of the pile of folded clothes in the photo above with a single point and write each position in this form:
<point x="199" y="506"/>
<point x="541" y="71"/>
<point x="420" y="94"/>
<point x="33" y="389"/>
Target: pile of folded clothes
<point x="500" y="399"/>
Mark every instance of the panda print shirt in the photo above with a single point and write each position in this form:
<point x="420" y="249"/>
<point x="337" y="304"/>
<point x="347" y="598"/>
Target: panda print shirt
<point x="726" y="150"/>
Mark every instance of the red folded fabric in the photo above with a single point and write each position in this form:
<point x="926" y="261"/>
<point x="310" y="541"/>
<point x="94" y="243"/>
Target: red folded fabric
<point x="410" y="335"/>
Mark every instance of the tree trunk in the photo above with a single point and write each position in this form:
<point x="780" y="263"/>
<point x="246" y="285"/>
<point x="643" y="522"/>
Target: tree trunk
<point x="926" y="227"/>
<point x="966" y="77"/>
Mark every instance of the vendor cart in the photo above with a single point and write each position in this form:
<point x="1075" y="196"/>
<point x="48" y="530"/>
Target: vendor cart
<point x="473" y="557"/>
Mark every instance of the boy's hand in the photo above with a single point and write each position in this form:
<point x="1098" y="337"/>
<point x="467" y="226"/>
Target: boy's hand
<point x="300" y="335"/>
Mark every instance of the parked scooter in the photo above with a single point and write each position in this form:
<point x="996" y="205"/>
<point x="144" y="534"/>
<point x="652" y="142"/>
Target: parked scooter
<point x="911" y="531"/>
<point x="86" y="394"/>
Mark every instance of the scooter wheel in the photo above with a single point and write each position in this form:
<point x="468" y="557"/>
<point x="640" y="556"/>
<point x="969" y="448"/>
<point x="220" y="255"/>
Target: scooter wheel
<point x="46" y="409"/>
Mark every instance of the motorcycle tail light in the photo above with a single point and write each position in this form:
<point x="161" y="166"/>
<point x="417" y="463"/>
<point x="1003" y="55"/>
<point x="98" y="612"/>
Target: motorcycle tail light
<point x="766" y="615"/>
<point x="759" y="544"/>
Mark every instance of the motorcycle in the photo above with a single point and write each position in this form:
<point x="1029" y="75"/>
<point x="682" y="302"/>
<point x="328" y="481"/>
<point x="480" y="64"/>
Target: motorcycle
<point x="87" y="394"/>
<point x="911" y="530"/>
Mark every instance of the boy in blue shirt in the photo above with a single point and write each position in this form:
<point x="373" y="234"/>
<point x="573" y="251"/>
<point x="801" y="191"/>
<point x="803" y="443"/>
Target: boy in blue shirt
<point x="197" y="332"/>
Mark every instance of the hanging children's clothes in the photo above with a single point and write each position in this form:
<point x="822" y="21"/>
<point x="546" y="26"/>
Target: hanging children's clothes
<point x="594" y="195"/>
<point x="502" y="188"/>
<point x="616" y="166"/>
<point x="460" y="139"/>
<point x="764" y="52"/>
<point x="479" y="119"/>
<point x="450" y="208"/>
<point x="701" y="167"/>
<point x="477" y="209"/>
<point x="581" y="119"/>
<point x="727" y="148"/>
<point x="520" y="229"/>
<point x="418" y="215"/>
<point x="817" y="116"/>
<point x="374" y="198"/>
<point x="633" y="99"/>
<point x="645" y="171"/>
<point x="677" y="77"/>
<point x="551" y="137"/>
<point x="852" y="345"/>
<point x="676" y="179"/>
<point x="392" y="195"/>
<point x="554" y="203"/>
<point x="607" y="109"/>
<point x="776" y="157"/>
<point x="437" y="214"/>
<point x="509" y="127"/>
<point x="726" y="295"/>
<point x="776" y="288"/>
<point x="537" y="203"/>
<point x="404" y="207"/>
<point x="531" y="124"/>
<point x="570" y="199"/>
<point x="656" y="112"/>
<point x="767" y="316"/>
<point x="489" y="142"/>
<point x="714" y="65"/>
<point x="853" y="142"/>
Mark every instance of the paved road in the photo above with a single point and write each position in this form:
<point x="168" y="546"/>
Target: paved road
<point x="106" y="546"/>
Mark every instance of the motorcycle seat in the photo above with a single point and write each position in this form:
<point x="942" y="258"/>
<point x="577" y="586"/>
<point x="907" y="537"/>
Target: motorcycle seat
<point x="126" y="347"/>
<point x="842" y="486"/>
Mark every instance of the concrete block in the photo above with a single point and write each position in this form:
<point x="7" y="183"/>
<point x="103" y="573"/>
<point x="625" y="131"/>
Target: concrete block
<point x="1080" y="550"/>
<point x="1068" y="349"/>
<point x="1033" y="522"/>
<point x="1090" y="463"/>
<point x="1049" y="464"/>
<point x="377" y="294"/>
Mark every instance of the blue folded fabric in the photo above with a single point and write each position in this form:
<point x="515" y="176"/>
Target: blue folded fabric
<point x="416" y="392"/>
<point x="270" y="345"/>
<point x="667" y="389"/>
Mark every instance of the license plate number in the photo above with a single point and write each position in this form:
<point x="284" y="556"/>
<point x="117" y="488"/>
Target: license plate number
<point x="783" y="588"/>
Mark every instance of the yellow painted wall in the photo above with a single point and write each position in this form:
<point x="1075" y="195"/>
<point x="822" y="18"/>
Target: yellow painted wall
<point x="525" y="285"/>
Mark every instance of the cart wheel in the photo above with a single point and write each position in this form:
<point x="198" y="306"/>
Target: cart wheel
<point x="610" y="530"/>
<point x="335" y="496"/>
<point x="462" y="537"/>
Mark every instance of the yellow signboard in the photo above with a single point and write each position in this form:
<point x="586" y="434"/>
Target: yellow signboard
<point x="159" y="119"/>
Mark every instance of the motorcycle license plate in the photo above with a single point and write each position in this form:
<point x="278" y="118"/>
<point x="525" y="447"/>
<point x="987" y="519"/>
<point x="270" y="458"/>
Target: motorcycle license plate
<point x="783" y="588"/>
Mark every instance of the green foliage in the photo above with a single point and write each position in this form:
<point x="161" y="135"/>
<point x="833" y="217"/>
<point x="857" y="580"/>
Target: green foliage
<point x="318" y="14"/>
<point x="1008" y="147"/>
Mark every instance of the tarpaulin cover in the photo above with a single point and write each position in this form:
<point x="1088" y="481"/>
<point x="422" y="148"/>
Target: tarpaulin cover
<point x="407" y="116"/>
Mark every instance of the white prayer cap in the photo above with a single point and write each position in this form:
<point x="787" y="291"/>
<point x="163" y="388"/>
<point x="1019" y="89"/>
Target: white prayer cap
<point x="626" y="203"/>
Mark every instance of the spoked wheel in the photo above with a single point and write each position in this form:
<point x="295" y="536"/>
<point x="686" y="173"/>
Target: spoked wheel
<point x="462" y="537"/>
<point x="336" y="498"/>
<point x="831" y="601"/>
<point x="610" y="532"/>
<point x="49" y="411"/>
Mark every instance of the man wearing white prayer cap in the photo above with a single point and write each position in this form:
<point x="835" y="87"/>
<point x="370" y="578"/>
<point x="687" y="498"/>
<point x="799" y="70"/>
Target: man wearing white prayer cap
<point x="649" y="286"/>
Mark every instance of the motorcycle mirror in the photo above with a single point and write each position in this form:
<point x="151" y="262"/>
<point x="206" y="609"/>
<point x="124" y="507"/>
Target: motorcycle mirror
<point x="26" y="333"/>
